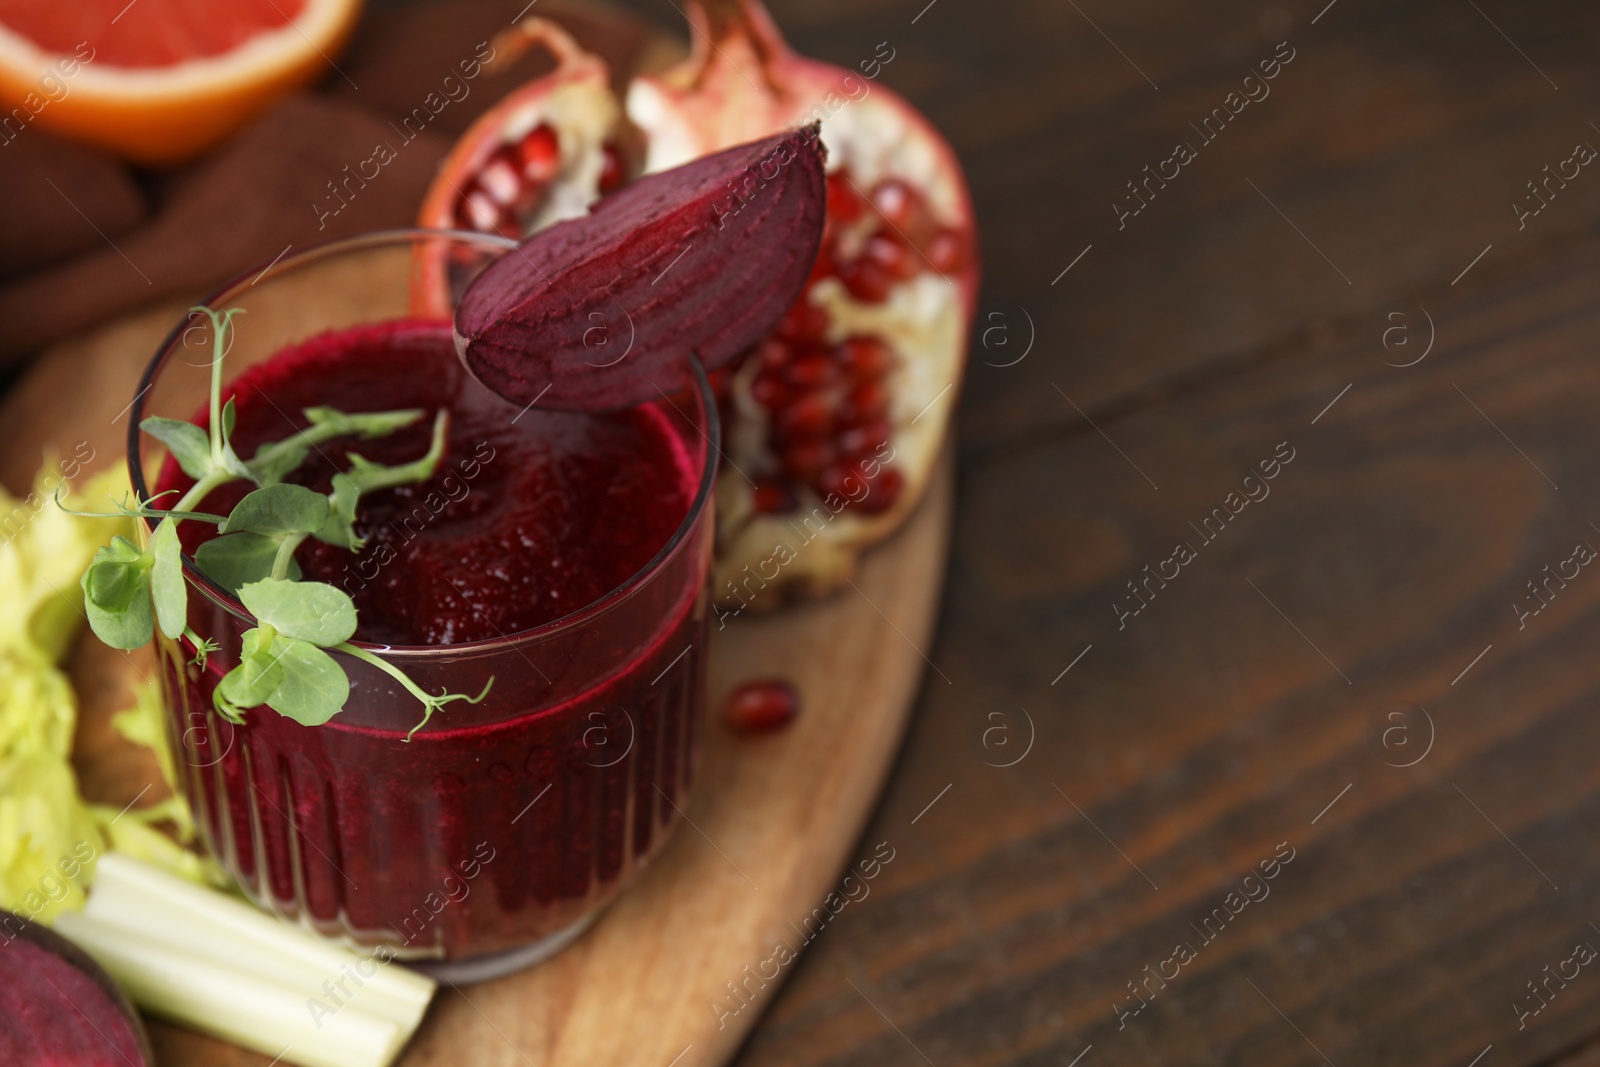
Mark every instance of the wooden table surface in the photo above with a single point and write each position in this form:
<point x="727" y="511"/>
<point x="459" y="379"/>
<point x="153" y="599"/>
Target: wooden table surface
<point x="1342" y="674"/>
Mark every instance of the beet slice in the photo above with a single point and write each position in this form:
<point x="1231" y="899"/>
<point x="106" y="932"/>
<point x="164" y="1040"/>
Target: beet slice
<point x="601" y="312"/>
<point x="58" y="1008"/>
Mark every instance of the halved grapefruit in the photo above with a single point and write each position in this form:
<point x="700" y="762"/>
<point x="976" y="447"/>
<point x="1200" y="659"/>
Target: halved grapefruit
<point x="159" y="81"/>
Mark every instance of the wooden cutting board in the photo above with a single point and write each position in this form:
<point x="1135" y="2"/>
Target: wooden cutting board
<point x="772" y="824"/>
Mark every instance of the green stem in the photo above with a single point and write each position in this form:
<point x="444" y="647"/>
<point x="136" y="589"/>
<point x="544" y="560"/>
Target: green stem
<point x="372" y="477"/>
<point x="317" y="434"/>
<point x="201" y="489"/>
<point x="388" y="668"/>
<point x="220" y="327"/>
<point x="430" y="703"/>
<point x="285" y="556"/>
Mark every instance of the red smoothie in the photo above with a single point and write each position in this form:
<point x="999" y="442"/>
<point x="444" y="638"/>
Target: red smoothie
<point x="499" y="823"/>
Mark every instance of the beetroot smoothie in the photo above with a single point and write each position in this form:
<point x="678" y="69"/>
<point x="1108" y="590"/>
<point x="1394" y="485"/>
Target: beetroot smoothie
<point x="502" y="823"/>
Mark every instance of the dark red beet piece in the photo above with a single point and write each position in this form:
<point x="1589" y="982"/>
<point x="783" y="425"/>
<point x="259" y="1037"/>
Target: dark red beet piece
<point x="601" y="312"/>
<point x="58" y="1008"/>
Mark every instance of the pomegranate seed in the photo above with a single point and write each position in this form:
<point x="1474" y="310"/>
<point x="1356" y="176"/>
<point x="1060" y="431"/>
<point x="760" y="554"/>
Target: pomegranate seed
<point x="756" y="707"/>
<point x="809" y="415"/>
<point x="539" y="154"/>
<point x="866" y="439"/>
<point x="807" y="459"/>
<point x="812" y="369"/>
<point x="771" y="496"/>
<point x="521" y="209"/>
<point x="839" y="481"/>
<point x="892" y="255"/>
<point x="867" y="402"/>
<point x="946" y="251"/>
<point x="867" y="357"/>
<point x="866" y="280"/>
<point x="499" y="178"/>
<point x="772" y="354"/>
<point x="825" y="266"/>
<point x="898" y="202"/>
<point x="844" y="203"/>
<point x="886" y="489"/>
<point x="769" y="391"/>
<point x="482" y="213"/>
<point x="611" y="171"/>
<point x="803" y="323"/>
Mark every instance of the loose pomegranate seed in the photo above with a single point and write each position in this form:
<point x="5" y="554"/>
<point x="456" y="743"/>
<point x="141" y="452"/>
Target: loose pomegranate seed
<point x="772" y="354"/>
<point x="807" y="459"/>
<point x="886" y="489"/>
<point x="946" y="251"/>
<point x="807" y="416"/>
<point x="866" y="280"/>
<point x="772" y="495"/>
<point x="867" y="402"/>
<point x="611" y="170"/>
<point x="811" y="370"/>
<point x="890" y="253"/>
<point x="844" y="203"/>
<point x="866" y="439"/>
<point x="867" y="357"/>
<point x="898" y="202"/>
<point x="539" y="154"/>
<point x="804" y="323"/>
<point x="764" y="705"/>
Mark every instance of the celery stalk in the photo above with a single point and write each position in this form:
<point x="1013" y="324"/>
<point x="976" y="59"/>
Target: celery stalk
<point x="231" y="1004"/>
<point x="207" y="925"/>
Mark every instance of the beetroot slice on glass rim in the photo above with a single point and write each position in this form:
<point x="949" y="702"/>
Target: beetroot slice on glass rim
<point x="603" y="311"/>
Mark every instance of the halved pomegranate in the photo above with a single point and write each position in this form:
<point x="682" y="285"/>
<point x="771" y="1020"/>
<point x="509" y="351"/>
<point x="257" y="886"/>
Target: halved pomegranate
<point x="834" y="422"/>
<point x="543" y="154"/>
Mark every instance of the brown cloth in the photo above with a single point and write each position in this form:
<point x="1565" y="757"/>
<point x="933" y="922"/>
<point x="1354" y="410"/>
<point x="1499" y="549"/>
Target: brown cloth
<point x="84" y="238"/>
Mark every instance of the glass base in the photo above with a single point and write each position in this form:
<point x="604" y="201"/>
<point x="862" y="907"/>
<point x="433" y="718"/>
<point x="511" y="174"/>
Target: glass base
<point x="499" y="964"/>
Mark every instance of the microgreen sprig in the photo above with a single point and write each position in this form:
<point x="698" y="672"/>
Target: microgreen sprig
<point x="284" y="660"/>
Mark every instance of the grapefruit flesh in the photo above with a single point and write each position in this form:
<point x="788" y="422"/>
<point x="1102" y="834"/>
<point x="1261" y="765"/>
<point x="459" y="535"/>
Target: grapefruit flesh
<point x="159" y="81"/>
<point x="124" y="36"/>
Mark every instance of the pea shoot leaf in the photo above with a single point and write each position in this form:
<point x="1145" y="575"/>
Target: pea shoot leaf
<point x="314" y="686"/>
<point x="166" y="579"/>
<point x="277" y="510"/>
<point x="253" y="681"/>
<point x="186" y="441"/>
<point x="237" y="559"/>
<point x="116" y="595"/>
<point x="311" y="611"/>
<point x="340" y="529"/>
<point x="230" y="459"/>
